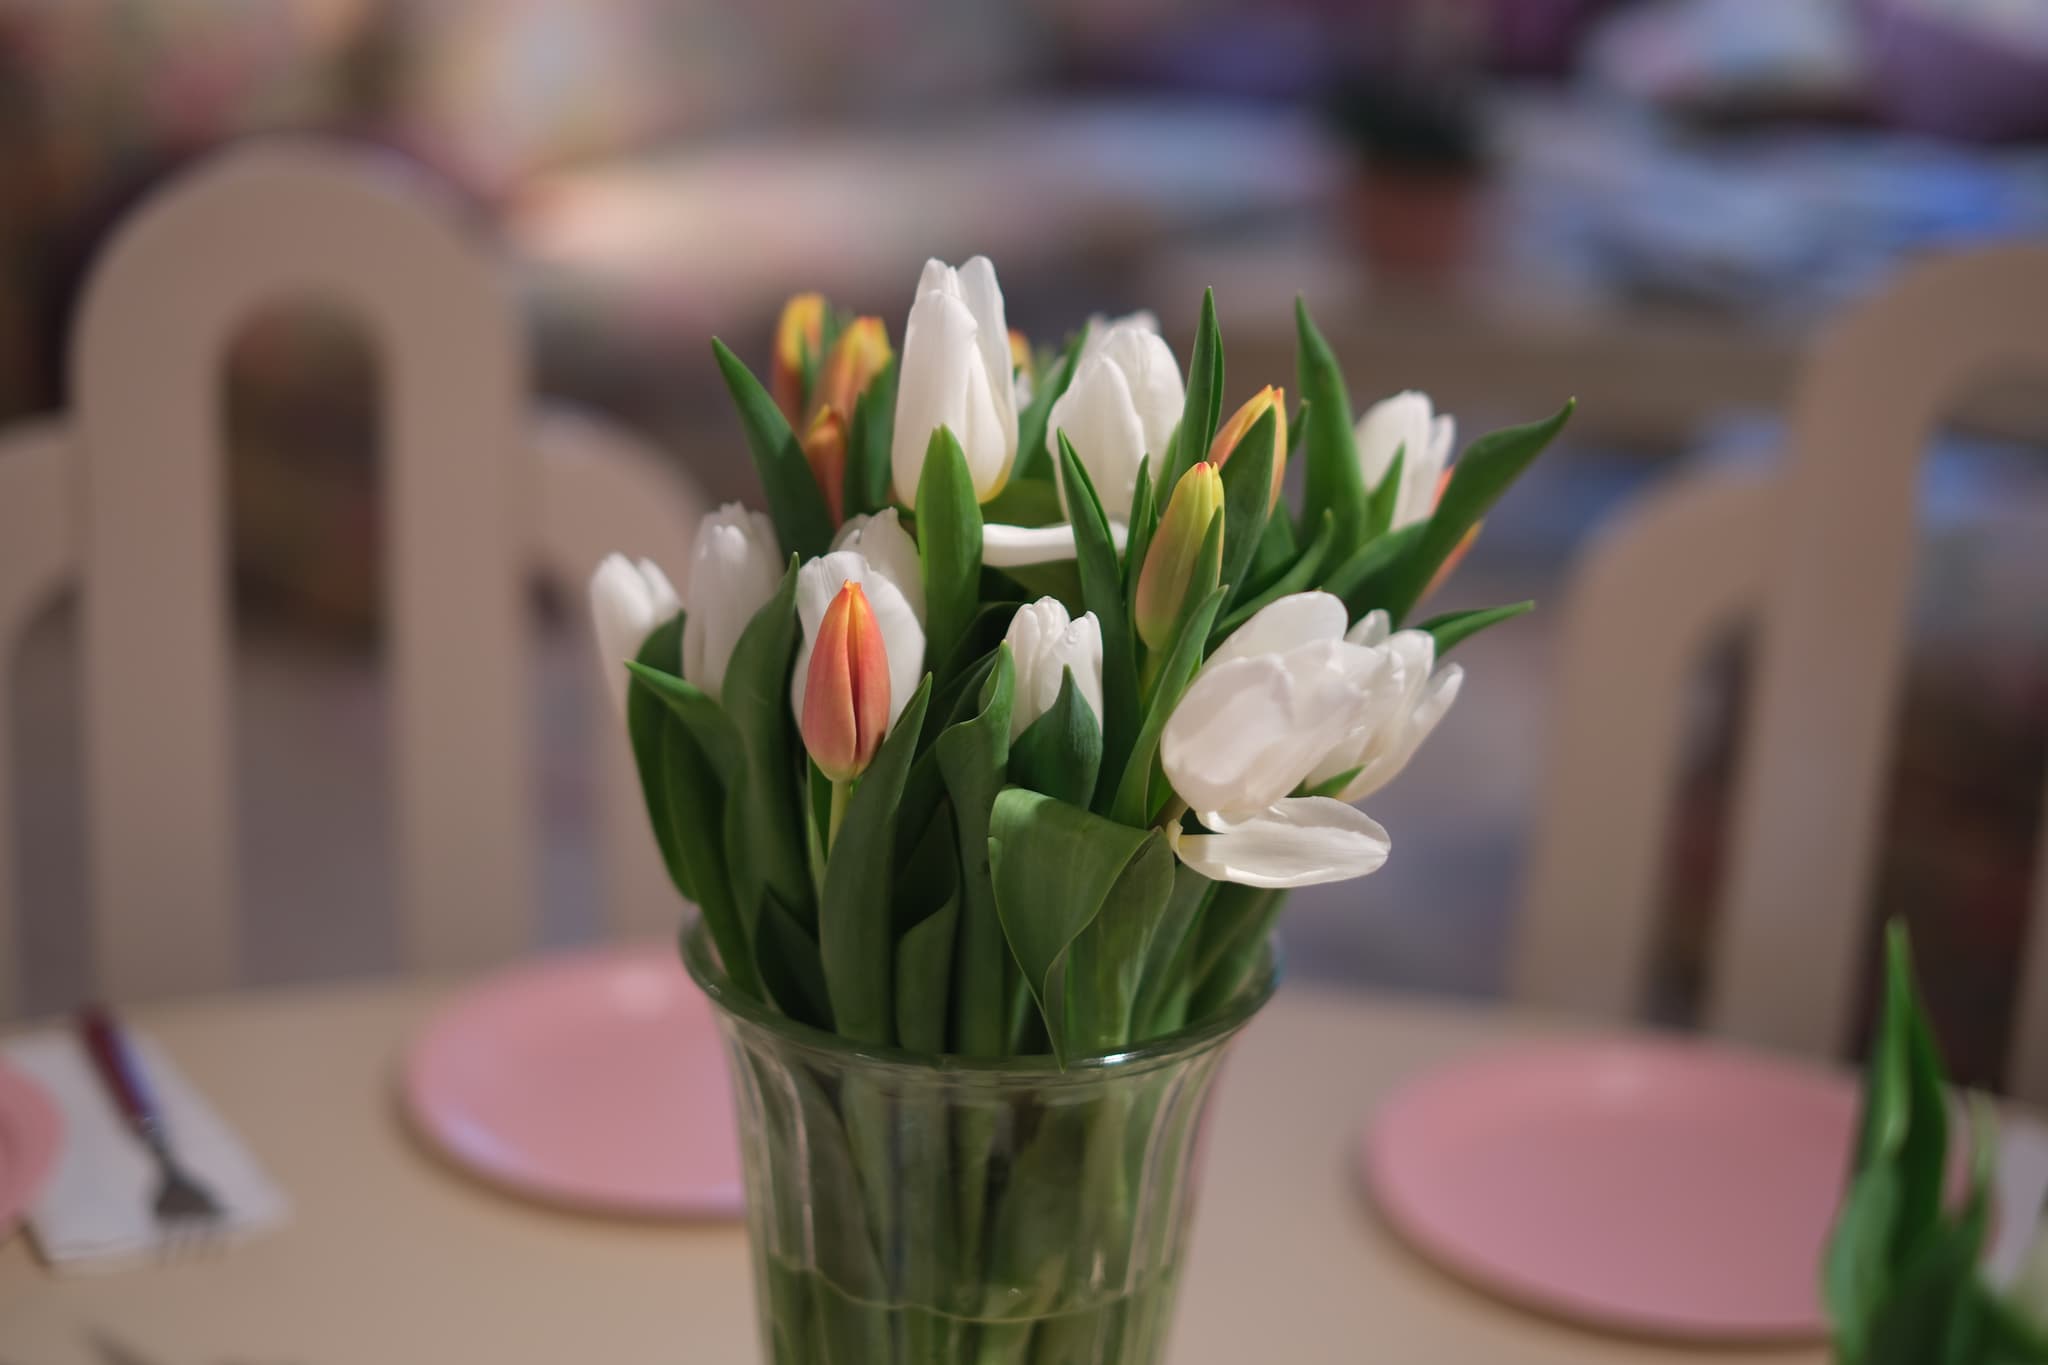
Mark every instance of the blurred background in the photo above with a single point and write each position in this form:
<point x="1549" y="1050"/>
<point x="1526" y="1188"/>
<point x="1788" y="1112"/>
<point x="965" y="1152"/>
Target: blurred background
<point x="1651" y="204"/>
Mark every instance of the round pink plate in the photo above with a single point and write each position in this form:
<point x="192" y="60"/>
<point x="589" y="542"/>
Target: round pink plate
<point x="30" y="1132"/>
<point x="1663" y="1188"/>
<point x="595" y="1081"/>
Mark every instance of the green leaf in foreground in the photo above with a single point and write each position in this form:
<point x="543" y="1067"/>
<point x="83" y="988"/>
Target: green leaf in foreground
<point x="972" y="757"/>
<point x="1054" y="866"/>
<point x="1203" y="408"/>
<point x="1478" y="479"/>
<point x="1247" y="498"/>
<point x="802" y="521"/>
<point x="949" y="550"/>
<point x="1334" y="482"/>
<point x="868" y="474"/>
<point x="855" y="928"/>
<point x="1298" y="576"/>
<point x="1102" y="592"/>
<point x="766" y="801"/>
<point x="1452" y="628"/>
<point x="1060" y="753"/>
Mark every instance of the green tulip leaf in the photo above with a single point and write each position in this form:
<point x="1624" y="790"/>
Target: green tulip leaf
<point x="1334" y="481"/>
<point x="1102" y="592"/>
<point x="1453" y="628"/>
<point x="1138" y="540"/>
<point x="766" y="803"/>
<point x="647" y="718"/>
<point x="1025" y="502"/>
<point x="1135" y="803"/>
<point x="700" y="715"/>
<point x="792" y="969"/>
<point x="928" y="909"/>
<point x="1060" y="753"/>
<point x="802" y="521"/>
<point x="868" y="472"/>
<point x="1363" y="580"/>
<point x="973" y="755"/>
<point x="1478" y="479"/>
<point x="1203" y="408"/>
<point x="949" y="550"/>
<point x="1054" y="865"/>
<point x="856" y="931"/>
<point x="1380" y="505"/>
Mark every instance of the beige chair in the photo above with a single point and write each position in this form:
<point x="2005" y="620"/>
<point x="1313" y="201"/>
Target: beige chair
<point x="482" y="492"/>
<point x="1831" y="601"/>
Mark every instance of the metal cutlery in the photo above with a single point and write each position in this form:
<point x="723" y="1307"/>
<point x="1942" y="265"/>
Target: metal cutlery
<point x="184" y="1209"/>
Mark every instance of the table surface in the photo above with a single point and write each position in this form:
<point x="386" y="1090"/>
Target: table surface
<point x="394" y="1256"/>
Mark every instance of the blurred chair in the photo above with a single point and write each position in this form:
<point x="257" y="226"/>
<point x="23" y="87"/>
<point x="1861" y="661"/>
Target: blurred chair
<point x="123" y="496"/>
<point x="1820" y="555"/>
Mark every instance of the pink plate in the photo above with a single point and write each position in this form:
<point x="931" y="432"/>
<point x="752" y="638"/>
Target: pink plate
<point x="1667" y="1188"/>
<point x="30" y="1131"/>
<point x="595" y="1081"/>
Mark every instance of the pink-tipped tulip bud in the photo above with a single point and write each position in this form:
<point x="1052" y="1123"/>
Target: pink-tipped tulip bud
<point x="1240" y="424"/>
<point x="860" y="353"/>
<point x="798" y="336"/>
<point x="846" y="694"/>
<point x="1167" y="576"/>
<point x="825" y="450"/>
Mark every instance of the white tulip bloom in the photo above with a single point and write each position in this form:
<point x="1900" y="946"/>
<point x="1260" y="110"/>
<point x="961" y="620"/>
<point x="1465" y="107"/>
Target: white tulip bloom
<point x="1123" y="403"/>
<point x="1405" y="422"/>
<point x="818" y="582"/>
<point x="1418" y="696"/>
<point x="1263" y="713"/>
<point x="1100" y="325"/>
<point x="735" y="565"/>
<point x="881" y="540"/>
<point x="956" y="373"/>
<point x="1044" y="643"/>
<point x="628" y="601"/>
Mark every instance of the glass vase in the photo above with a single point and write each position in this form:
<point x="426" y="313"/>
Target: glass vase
<point x="908" y="1210"/>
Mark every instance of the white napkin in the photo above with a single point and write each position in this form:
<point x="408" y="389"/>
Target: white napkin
<point x="95" y="1214"/>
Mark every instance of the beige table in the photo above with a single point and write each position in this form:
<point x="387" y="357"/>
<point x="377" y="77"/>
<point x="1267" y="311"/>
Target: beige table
<point x="395" y="1258"/>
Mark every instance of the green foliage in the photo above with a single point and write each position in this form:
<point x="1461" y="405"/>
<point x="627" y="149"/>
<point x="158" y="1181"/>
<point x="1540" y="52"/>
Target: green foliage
<point x="949" y="551"/>
<point x="1335" y="484"/>
<point x="1901" y="1277"/>
<point x="802" y="521"/>
<point x="1203" y="408"/>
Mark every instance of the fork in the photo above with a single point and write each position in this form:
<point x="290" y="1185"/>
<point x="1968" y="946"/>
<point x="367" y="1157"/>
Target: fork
<point x="185" y="1210"/>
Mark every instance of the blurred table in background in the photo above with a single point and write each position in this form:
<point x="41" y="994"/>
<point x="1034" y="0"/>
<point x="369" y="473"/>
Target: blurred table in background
<point x="395" y="1256"/>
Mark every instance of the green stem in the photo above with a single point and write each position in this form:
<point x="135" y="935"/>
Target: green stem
<point x="842" y="792"/>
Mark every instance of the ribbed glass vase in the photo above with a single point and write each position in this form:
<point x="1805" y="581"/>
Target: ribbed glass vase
<point x="910" y="1210"/>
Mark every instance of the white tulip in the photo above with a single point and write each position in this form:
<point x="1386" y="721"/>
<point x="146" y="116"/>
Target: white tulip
<point x="956" y="373"/>
<point x="627" y="602"/>
<point x="1123" y="403"/>
<point x="735" y="564"/>
<point x="1405" y="423"/>
<point x="818" y="582"/>
<point x="881" y="540"/>
<point x="1100" y="325"/>
<point x="1417" y="696"/>
<point x="1263" y="713"/>
<point x="1045" y="642"/>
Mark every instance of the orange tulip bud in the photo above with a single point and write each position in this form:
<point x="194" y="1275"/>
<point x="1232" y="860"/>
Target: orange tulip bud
<point x="1240" y="424"/>
<point x="798" y="335"/>
<point x="859" y="354"/>
<point x="1020" y="353"/>
<point x="1166" y="579"/>
<point x="846" y="693"/>
<point x="825" y="449"/>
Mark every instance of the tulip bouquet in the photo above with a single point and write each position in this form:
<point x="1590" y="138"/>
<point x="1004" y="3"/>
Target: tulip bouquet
<point x="1004" y="730"/>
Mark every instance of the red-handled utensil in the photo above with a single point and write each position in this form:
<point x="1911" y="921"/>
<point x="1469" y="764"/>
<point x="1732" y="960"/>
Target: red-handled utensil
<point x="182" y="1206"/>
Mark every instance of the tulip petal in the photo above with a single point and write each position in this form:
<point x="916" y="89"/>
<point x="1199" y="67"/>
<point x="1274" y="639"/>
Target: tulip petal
<point x="1302" y="841"/>
<point x="734" y="569"/>
<point x="1246" y="734"/>
<point x="1283" y="624"/>
<point x="1015" y="547"/>
<point x="889" y="551"/>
